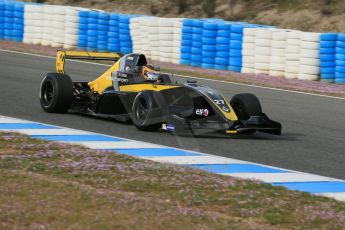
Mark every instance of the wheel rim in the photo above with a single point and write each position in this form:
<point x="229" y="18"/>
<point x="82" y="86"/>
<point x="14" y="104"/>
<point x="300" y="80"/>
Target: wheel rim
<point x="142" y="111"/>
<point x="48" y="93"/>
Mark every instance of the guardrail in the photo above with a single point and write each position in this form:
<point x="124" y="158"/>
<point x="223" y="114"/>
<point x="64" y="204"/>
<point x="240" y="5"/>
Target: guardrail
<point x="205" y="43"/>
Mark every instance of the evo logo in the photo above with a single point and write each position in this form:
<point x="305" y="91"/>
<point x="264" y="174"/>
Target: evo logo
<point x="202" y="112"/>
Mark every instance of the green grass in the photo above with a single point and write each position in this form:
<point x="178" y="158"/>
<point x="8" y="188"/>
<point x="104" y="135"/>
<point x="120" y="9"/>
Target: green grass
<point x="55" y="186"/>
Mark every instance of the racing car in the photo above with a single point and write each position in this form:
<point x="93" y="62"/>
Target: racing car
<point x="131" y="90"/>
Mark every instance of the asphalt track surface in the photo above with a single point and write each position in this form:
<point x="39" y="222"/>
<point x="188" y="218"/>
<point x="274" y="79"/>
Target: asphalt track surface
<point x="313" y="138"/>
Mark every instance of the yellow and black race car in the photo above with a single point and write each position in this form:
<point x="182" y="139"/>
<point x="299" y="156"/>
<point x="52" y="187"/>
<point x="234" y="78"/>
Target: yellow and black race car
<point x="132" y="90"/>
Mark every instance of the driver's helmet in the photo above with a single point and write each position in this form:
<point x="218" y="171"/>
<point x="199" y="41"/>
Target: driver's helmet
<point x="149" y="73"/>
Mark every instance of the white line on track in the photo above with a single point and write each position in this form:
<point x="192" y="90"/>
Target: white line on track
<point x="185" y="76"/>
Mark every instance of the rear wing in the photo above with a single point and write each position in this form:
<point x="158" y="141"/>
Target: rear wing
<point x="61" y="56"/>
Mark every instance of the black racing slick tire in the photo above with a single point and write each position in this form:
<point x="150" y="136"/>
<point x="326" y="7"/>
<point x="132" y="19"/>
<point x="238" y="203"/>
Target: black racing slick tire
<point x="56" y="93"/>
<point x="149" y="111"/>
<point x="246" y="105"/>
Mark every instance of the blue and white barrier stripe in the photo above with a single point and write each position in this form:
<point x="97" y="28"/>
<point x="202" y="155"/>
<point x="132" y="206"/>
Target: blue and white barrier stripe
<point x="318" y="185"/>
<point x="206" y="43"/>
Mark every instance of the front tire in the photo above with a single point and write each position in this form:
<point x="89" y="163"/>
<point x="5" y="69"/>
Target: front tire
<point x="56" y="93"/>
<point x="246" y="105"/>
<point x="149" y="111"/>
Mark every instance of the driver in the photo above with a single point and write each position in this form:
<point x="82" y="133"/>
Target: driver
<point x="149" y="73"/>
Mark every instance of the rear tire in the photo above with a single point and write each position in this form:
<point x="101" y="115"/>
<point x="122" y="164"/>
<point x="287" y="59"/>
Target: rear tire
<point x="149" y="111"/>
<point x="56" y="93"/>
<point x="246" y="105"/>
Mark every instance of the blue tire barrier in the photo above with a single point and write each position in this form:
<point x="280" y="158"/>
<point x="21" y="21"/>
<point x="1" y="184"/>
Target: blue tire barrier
<point x="93" y="14"/>
<point x="339" y="81"/>
<point x="124" y="37"/>
<point x="221" y="47"/>
<point x="235" y="62"/>
<point x="197" y="37"/>
<point x="92" y="39"/>
<point x="340" y="63"/>
<point x="236" y="37"/>
<point x="221" y="67"/>
<point x="235" y="53"/>
<point x="209" y="41"/>
<point x="223" y="33"/>
<point x="327" y="58"/>
<point x="197" y="23"/>
<point x="125" y="19"/>
<point x="83" y="14"/>
<point x="185" y="62"/>
<point x="207" y="66"/>
<point x="208" y="60"/>
<point x="188" y="22"/>
<point x="195" y="63"/>
<point x="91" y="44"/>
<point x="195" y="50"/>
<point x="124" y="31"/>
<point x="236" y="28"/>
<point x="103" y="27"/>
<point x="339" y="50"/>
<point x="236" y="45"/>
<point x="103" y="16"/>
<point x="224" y="26"/>
<point x="82" y="26"/>
<point x="186" y="42"/>
<point x="340" y="69"/>
<point x="113" y="47"/>
<point x="113" y="41"/>
<point x="102" y="38"/>
<point x="330" y="76"/>
<point x="113" y="34"/>
<point x="113" y="16"/>
<point x="223" y="54"/>
<point x="125" y="50"/>
<point x="114" y="29"/>
<point x="196" y="57"/>
<point x="187" y="36"/>
<point x="327" y="44"/>
<point x="92" y="20"/>
<point x="102" y="33"/>
<point x="341" y="44"/>
<point x="186" y="56"/>
<point x="339" y="75"/>
<point x="208" y="54"/>
<point x="102" y="48"/>
<point x="197" y="44"/>
<point x="92" y="33"/>
<point x="328" y="70"/>
<point x="341" y="37"/>
<point x="187" y="29"/>
<point x="222" y="40"/>
<point x="186" y="49"/>
<point x="103" y="22"/>
<point x="328" y="37"/>
<point x="83" y="20"/>
<point x="210" y="26"/>
<point x="209" y="33"/>
<point x="221" y="61"/>
<point x="327" y="64"/>
<point x="197" y="30"/>
<point x="124" y="26"/>
<point x="327" y="50"/>
<point x="126" y="44"/>
<point x="210" y="48"/>
<point x="340" y="57"/>
<point x="113" y="23"/>
<point x="235" y="68"/>
<point x="82" y="43"/>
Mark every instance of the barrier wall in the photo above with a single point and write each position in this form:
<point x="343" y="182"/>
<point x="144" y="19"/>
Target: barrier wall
<point x="205" y="43"/>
